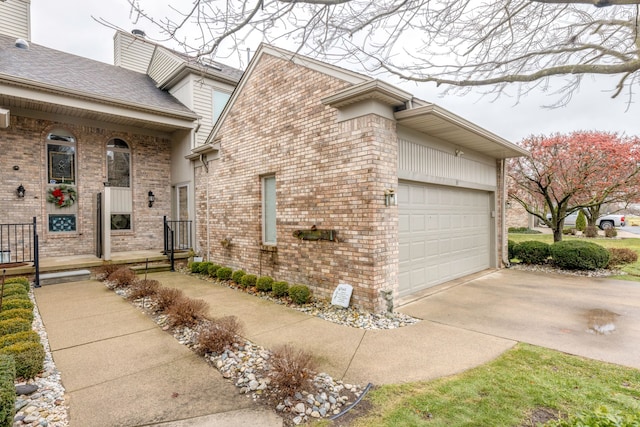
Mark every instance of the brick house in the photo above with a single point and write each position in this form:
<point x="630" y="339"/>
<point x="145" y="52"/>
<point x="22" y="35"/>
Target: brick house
<point x="394" y="194"/>
<point x="84" y="129"/>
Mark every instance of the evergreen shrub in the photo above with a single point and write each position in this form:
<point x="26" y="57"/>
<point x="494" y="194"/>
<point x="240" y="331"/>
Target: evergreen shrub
<point x="248" y="280"/>
<point x="224" y="273"/>
<point x="280" y="289"/>
<point x="30" y="335"/>
<point x="29" y="358"/>
<point x="532" y="252"/>
<point x="17" y="313"/>
<point x="12" y="326"/>
<point x="264" y="283"/>
<point x="579" y="255"/>
<point x="299" y="294"/>
<point x="7" y="390"/>
<point x="237" y="276"/>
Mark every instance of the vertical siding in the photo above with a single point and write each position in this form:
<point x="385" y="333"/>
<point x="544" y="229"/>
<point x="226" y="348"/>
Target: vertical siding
<point x="203" y="104"/>
<point x="431" y="164"/>
<point x="15" y="18"/>
<point x="121" y="201"/>
<point x="131" y="52"/>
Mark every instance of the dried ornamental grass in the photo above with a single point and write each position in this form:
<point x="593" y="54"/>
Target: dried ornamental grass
<point x="166" y="297"/>
<point x="187" y="312"/>
<point x="291" y="371"/>
<point x="219" y="335"/>
<point x="143" y="288"/>
<point x="122" y="278"/>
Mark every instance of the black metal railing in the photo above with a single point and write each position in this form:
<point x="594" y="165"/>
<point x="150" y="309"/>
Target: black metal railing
<point x="19" y="244"/>
<point x="177" y="237"/>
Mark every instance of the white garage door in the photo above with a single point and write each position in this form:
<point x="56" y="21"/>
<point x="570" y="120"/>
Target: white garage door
<point x="444" y="234"/>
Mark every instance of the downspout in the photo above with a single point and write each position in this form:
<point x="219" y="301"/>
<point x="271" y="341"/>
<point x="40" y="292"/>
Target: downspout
<point x="503" y="214"/>
<point x="206" y="168"/>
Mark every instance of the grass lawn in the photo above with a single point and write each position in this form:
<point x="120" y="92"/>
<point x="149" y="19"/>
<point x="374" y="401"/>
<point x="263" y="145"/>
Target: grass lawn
<point x="524" y="381"/>
<point x="632" y="270"/>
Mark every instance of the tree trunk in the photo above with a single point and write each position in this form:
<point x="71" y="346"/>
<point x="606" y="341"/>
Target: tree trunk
<point x="557" y="235"/>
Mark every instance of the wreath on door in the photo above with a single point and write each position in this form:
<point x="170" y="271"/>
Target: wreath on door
<point x="62" y="195"/>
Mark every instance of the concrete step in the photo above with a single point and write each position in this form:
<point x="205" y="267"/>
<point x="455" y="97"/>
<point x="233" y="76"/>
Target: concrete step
<point x="152" y="268"/>
<point x="64" y="277"/>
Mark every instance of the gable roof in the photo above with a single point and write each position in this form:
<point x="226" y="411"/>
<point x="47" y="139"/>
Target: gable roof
<point x="42" y="75"/>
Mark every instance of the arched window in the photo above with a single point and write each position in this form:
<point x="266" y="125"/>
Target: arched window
<point x="118" y="163"/>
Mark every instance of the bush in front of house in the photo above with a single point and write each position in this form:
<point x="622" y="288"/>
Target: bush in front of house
<point x="264" y="283"/>
<point x="195" y="266"/>
<point x="203" y="267"/>
<point x="280" y="289"/>
<point x="12" y="326"/>
<point x="16" y="303"/>
<point x="143" y="288"/>
<point x="187" y="311"/>
<point x="523" y="230"/>
<point x="621" y="256"/>
<point x="18" y="296"/>
<point x="30" y="335"/>
<point x="121" y="278"/>
<point x="213" y="269"/>
<point x="610" y="232"/>
<point x="17" y="313"/>
<point x="579" y="255"/>
<point x="532" y="252"/>
<point x="14" y="289"/>
<point x="7" y="390"/>
<point x="219" y="335"/>
<point x="165" y="297"/>
<point x="21" y="280"/>
<point x="104" y="271"/>
<point x="291" y="371"/>
<point x="29" y="358"/>
<point x="248" y="280"/>
<point x="299" y="294"/>
<point x="224" y="273"/>
<point x="237" y="275"/>
<point x="591" y="231"/>
<point x="511" y="249"/>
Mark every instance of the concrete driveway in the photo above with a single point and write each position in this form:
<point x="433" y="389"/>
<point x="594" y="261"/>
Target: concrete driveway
<point x="590" y="317"/>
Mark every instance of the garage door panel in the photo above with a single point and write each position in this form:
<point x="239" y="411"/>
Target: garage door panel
<point x="448" y="234"/>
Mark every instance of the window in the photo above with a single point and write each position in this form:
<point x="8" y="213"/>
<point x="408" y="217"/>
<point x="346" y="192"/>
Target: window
<point x="219" y="101"/>
<point x="61" y="177"/>
<point x="118" y="163"/>
<point x="269" y="210"/>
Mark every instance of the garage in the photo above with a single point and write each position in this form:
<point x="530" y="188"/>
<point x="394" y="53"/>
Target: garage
<point x="444" y="233"/>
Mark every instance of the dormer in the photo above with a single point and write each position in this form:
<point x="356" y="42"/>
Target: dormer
<point x="15" y="18"/>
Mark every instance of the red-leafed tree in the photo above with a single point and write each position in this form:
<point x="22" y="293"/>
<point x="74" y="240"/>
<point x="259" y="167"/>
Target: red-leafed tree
<point x="566" y="173"/>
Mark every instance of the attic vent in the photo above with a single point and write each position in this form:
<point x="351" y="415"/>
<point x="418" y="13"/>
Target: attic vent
<point x="139" y="33"/>
<point x="22" y="44"/>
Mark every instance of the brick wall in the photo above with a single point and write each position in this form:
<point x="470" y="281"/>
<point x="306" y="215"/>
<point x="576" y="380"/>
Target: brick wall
<point x="329" y="175"/>
<point x="23" y="145"/>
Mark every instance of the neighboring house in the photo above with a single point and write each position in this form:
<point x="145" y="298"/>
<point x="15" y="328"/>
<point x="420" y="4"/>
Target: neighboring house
<point x="78" y="125"/>
<point x="311" y="173"/>
<point x="323" y="153"/>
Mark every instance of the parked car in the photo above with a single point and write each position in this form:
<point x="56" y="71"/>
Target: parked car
<point x="604" y="222"/>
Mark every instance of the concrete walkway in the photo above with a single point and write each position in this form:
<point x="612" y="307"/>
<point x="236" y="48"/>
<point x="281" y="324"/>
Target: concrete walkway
<point x="120" y="369"/>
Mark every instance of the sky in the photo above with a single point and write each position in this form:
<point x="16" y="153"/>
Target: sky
<point x="69" y="26"/>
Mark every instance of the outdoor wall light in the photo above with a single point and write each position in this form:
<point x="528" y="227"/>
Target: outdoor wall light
<point x="152" y="198"/>
<point x="20" y="191"/>
<point x="390" y="197"/>
<point x="459" y="153"/>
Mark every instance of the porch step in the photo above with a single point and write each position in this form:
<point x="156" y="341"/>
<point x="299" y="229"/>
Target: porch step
<point x="153" y="268"/>
<point x="64" y="277"/>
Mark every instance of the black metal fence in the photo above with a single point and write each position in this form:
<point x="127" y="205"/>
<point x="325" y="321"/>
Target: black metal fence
<point x="177" y="237"/>
<point x="19" y="244"/>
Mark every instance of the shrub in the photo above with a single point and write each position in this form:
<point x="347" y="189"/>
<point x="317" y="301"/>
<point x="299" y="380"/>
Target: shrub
<point x="237" y="276"/>
<point x="203" y="267"/>
<point x="165" y="297"/>
<point x="195" y="266"/>
<point x="122" y="278"/>
<point x="213" y="268"/>
<point x="511" y="249"/>
<point x="21" y="280"/>
<point x="620" y="256"/>
<point x="10" y="304"/>
<point x="291" y="371"/>
<point x="568" y="230"/>
<point x="579" y="255"/>
<point x="610" y="232"/>
<point x="532" y="252"/>
<point x="18" y="296"/>
<point x="17" y="313"/>
<point x="187" y="311"/>
<point x="29" y="358"/>
<point x="143" y="288"/>
<point x="105" y="270"/>
<point x="249" y="280"/>
<point x="581" y="221"/>
<point x="600" y="417"/>
<point x="299" y="294"/>
<point x="11" y="339"/>
<point x="264" y="284"/>
<point x="14" y="289"/>
<point x="591" y="231"/>
<point x="12" y="326"/>
<point x="219" y="334"/>
<point x="224" y="273"/>
<point x="280" y="289"/>
<point x="523" y="230"/>
<point x="7" y="390"/>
